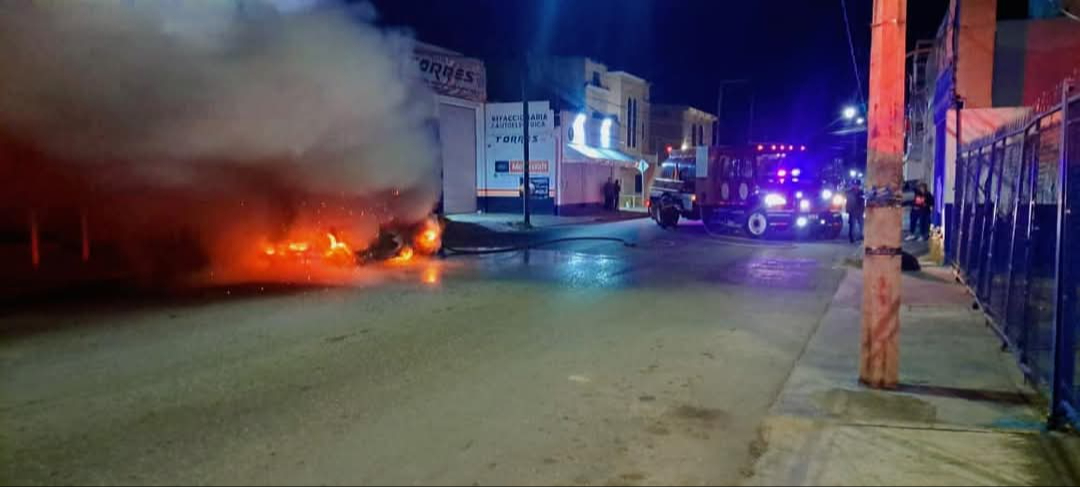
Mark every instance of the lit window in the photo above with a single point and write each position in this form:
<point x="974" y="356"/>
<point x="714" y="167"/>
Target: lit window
<point x="605" y="133"/>
<point x="579" y="129"/>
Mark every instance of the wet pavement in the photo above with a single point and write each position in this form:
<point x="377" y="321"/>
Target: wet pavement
<point x="583" y="362"/>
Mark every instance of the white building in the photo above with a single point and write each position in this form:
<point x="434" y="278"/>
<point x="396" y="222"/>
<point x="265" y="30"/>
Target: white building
<point x="599" y="128"/>
<point x="460" y="84"/>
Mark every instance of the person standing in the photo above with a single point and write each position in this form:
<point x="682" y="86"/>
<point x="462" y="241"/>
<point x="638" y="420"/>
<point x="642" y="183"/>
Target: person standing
<point x="609" y="193"/>
<point x="925" y="211"/>
<point x="921" y="207"/>
<point x="856" y="207"/>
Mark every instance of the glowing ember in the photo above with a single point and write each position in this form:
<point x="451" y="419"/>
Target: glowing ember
<point x="431" y="275"/>
<point x="299" y="246"/>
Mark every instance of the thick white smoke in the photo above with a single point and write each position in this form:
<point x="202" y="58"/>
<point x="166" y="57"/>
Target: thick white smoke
<point x="215" y="119"/>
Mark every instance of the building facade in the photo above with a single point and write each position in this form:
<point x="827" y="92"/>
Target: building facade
<point x="599" y="130"/>
<point x="460" y="86"/>
<point x="680" y="127"/>
<point x="999" y="69"/>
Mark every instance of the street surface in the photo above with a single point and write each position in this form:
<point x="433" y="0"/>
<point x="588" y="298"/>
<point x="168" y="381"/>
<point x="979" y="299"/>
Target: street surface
<point x="583" y="363"/>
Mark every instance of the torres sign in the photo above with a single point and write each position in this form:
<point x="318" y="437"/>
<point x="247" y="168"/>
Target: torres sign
<point x="449" y="75"/>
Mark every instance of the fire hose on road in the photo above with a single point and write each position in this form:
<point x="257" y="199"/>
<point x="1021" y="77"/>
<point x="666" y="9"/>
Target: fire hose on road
<point x="451" y="251"/>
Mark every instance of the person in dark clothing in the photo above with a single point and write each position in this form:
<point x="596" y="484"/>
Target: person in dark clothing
<point x="609" y="194"/>
<point x="856" y="207"/>
<point x="921" y="207"/>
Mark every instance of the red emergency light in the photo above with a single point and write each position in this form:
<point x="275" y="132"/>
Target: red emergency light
<point x="669" y="149"/>
<point x="760" y="147"/>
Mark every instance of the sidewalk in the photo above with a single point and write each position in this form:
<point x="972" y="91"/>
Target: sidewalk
<point x="506" y="222"/>
<point x="961" y="416"/>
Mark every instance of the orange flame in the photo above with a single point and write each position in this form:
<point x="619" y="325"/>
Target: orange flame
<point x="405" y="255"/>
<point x="428" y="240"/>
<point x="339" y="252"/>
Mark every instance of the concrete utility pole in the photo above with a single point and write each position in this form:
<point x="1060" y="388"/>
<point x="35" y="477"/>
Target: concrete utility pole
<point x="879" y="359"/>
<point x="526" y="190"/>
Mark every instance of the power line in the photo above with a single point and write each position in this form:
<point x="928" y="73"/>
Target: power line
<point x="851" y="48"/>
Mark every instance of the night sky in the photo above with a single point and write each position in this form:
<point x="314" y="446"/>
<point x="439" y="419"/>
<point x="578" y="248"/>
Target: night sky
<point x="795" y="52"/>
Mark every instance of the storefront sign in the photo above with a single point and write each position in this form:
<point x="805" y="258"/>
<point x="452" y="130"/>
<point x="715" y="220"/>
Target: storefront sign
<point x="504" y="149"/>
<point x="534" y="167"/>
<point x="541" y="187"/>
<point x="456" y="76"/>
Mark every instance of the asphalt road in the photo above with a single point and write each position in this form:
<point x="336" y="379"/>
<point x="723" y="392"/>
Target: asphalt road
<point x="586" y="363"/>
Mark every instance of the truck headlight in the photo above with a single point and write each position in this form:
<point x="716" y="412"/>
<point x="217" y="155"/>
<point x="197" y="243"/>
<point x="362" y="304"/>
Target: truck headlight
<point x="826" y="194"/>
<point x="774" y="200"/>
<point x="804" y="205"/>
<point x="839" y="200"/>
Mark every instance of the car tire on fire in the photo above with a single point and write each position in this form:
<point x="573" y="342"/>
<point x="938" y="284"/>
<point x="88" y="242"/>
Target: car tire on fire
<point x="757" y="224"/>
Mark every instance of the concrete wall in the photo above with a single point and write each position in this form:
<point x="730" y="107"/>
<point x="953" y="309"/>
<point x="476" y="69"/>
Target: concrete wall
<point x="582" y="186"/>
<point x="978" y="26"/>
<point x="1032" y="57"/>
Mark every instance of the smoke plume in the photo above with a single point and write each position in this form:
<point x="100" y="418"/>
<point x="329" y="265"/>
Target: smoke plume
<point x="211" y="125"/>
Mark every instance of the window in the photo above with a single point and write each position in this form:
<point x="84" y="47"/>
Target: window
<point x="667" y="170"/>
<point x="726" y="167"/>
<point x="747" y="169"/>
<point x="631" y="122"/>
<point x="687" y="171"/>
<point x="596" y="79"/>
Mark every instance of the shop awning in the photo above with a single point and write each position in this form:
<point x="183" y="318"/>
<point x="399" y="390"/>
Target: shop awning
<point x="578" y="152"/>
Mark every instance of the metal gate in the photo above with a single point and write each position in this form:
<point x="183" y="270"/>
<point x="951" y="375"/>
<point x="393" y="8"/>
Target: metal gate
<point x="1017" y="231"/>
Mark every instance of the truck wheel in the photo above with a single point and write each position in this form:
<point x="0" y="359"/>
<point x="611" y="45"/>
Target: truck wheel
<point x="669" y="216"/>
<point x="757" y="224"/>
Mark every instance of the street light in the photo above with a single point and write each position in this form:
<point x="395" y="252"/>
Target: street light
<point x="850" y="112"/>
<point x="860" y="121"/>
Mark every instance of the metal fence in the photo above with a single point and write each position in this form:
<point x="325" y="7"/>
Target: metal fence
<point x="1015" y="240"/>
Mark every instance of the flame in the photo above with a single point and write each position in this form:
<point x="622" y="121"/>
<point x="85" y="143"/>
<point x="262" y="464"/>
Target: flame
<point x="429" y="239"/>
<point x="405" y="255"/>
<point x="339" y="252"/>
